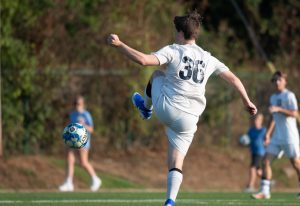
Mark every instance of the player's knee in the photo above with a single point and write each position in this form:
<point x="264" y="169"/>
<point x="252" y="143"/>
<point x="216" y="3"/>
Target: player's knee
<point x="84" y="163"/>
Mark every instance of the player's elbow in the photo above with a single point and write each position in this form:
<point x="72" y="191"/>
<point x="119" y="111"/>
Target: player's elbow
<point x="90" y="129"/>
<point x="145" y="60"/>
<point x="142" y="62"/>
<point x="295" y="114"/>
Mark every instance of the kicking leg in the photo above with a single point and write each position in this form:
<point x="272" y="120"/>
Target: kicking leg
<point x="175" y="163"/>
<point x="144" y="104"/>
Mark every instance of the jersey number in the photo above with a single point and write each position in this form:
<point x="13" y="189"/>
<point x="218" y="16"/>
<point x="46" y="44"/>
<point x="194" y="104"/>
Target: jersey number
<point x="192" y="69"/>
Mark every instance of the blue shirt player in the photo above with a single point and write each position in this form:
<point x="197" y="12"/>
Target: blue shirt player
<point x="257" y="136"/>
<point x="82" y="116"/>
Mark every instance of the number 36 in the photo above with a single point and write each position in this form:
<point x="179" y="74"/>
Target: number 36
<point x="192" y="69"/>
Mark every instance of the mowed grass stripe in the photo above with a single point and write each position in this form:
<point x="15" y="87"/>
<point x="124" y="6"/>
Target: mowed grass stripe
<point x="179" y="201"/>
<point x="142" y="199"/>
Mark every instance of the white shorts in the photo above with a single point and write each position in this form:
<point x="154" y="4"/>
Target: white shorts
<point x="181" y="126"/>
<point x="290" y="150"/>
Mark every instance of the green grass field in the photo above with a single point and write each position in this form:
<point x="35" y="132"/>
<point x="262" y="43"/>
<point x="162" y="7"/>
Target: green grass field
<point x="141" y="199"/>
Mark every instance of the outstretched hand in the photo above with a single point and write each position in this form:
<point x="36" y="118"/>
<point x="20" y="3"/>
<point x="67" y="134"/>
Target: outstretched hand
<point x="251" y="108"/>
<point x="113" y="40"/>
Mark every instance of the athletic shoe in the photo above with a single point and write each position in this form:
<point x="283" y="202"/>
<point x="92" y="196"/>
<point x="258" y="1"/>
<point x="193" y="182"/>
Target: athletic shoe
<point x="249" y="189"/>
<point x="298" y="196"/>
<point x="261" y="196"/>
<point x="138" y="102"/>
<point x="96" y="184"/>
<point x="66" y="187"/>
<point x="169" y="202"/>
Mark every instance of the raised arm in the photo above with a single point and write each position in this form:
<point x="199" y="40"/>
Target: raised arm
<point x="237" y="84"/>
<point x="132" y="54"/>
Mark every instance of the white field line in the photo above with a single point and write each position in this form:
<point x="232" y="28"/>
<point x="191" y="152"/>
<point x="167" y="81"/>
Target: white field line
<point x="182" y="201"/>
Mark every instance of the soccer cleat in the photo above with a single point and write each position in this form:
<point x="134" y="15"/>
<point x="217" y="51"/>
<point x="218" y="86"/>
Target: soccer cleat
<point x="261" y="196"/>
<point x="169" y="202"/>
<point x="138" y="102"/>
<point x="96" y="184"/>
<point x="66" y="187"/>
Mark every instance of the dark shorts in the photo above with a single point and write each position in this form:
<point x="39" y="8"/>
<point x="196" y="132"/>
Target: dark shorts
<point x="256" y="161"/>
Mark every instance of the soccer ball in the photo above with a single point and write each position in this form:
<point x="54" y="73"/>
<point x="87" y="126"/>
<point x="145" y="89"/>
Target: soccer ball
<point x="75" y="135"/>
<point x="244" y="140"/>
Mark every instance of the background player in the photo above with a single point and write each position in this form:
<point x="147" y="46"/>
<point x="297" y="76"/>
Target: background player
<point x="257" y="134"/>
<point x="284" y="131"/>
<point x="82" y="116"/>
<point x="178" y="94"/>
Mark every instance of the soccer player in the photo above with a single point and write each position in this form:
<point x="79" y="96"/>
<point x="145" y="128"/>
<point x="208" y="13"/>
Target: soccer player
<point x="284" y="131"/>
<point x="82" y="116"/>
<point x="257" y="135"/>
<point x="178" y="94"/>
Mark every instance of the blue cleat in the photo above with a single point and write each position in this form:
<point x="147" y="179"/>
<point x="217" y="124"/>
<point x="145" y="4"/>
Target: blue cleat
<point x="138" y="102"/>
<point x="169" y="202"/>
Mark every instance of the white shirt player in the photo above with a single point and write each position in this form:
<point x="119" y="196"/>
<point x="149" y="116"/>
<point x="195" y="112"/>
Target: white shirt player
<point x="285" y="131"/>
<point x="188" y="69"/>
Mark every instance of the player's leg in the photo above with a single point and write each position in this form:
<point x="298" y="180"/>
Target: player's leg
<point x="96" y="182"/>
<point x="265" y="184"/>
<point x="175" y="163"/>
<point x="180" y="134"/>
<point x="144" y="103"/>
<point x="258" y="165"/>
<point x="292" y="151"/>
<point x="68" y="186"/>
<point x="252" y="179"/>
<point x="252" y="174"/>
<point x="296" y="164"/>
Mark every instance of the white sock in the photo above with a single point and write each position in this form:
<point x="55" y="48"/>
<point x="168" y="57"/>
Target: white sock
<point x="265" y="186"/>
<point x="174" y="182"/>
<point x="69" y="180"/>
<point x="147" y="101"/>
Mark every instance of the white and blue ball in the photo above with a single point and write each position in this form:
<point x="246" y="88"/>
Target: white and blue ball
<point x="244" y="140"/>
<point x="75" y="135"/>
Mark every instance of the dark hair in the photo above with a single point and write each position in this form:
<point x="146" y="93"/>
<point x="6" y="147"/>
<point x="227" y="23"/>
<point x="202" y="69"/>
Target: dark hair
<point x="188" y="24"/>
<point x="277" y="75"/>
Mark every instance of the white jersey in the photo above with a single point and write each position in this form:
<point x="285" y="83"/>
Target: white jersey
<point x="285" y="131"/>
<point x="188" y="69"/>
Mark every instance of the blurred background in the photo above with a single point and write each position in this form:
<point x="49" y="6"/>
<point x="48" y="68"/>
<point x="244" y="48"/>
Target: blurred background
<point x="53" y="50"/>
